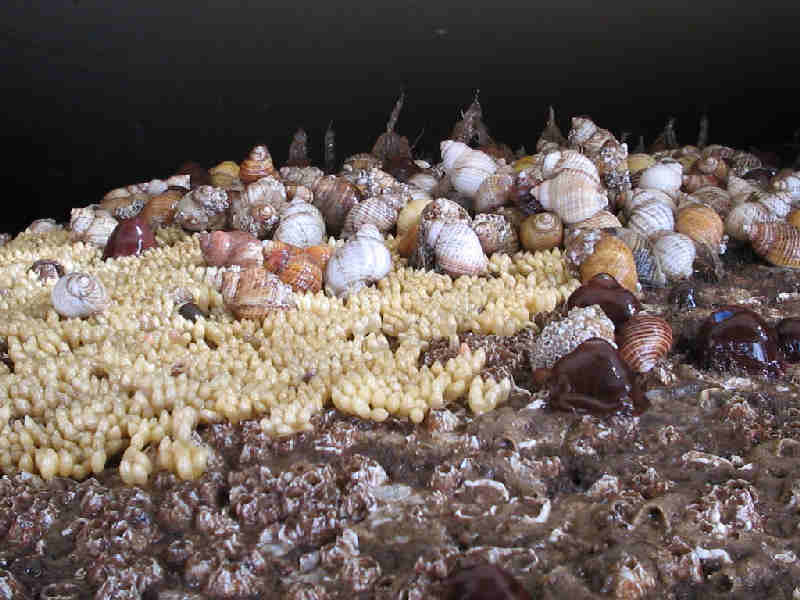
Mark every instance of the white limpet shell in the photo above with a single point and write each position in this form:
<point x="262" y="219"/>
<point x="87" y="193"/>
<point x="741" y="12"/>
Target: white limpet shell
<point x="362" y="260"/>
<point x="78" y="295"/>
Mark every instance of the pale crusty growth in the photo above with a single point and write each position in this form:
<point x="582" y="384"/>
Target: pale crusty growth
<point x="138" y="378"/>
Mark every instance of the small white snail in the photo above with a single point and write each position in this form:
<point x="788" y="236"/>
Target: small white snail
<point x="77" y="295"/>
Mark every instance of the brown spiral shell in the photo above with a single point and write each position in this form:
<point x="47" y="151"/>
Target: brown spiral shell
<point x="541" y="231"/>
<point x="160" y="210"/>
<point x="225" y="248"/>
<point x="777" y="242"/>
<point x="793" y="218"/>
<point x="302" y="273"/>
<point x="611" y="255"/>
<point x="320" y="254"/>
<point x="496" y="233"/>
<point x="258" y="164"/>
<point x="643" y="340"/>
<point x="254" y="292"/>
<point x="702" y="224"/>
<point x="334" y="197"/>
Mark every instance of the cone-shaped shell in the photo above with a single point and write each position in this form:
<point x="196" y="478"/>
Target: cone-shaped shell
<point x="777" y="242"/>
<point x="643" y="340"/>
<point x="611" y="255"/>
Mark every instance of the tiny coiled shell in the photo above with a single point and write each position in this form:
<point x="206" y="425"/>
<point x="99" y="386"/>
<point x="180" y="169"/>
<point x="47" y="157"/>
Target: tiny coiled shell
<point x="496" y="233"/>
<point x="742" y="216"/>
<point x="77" y="295"/>
<point x="643" y="340"/>
<point x="92" y="225"/>
<point x="381" y="211"/>
<point x="458" y="250"/>
<point x="777" y="242"/>
<point x="467" y="168"/>
<point x="572" y="194"/>
<point x="611" y="255"/>
<point x="301" y="224"/>
<point x="362" y="260"/>
<point x="334" y="196"/>
<point x="702" y="224"/>
<point x="203" y="208"/>
<point x="651" y="217"/>
<point x="258" y="164"/>
<point x="225" y="248"/>
<point x="676" y="253"/>
<point x="541" y="231"/>
<point x="254" y="292"/>
<point x="666" y="175"/>
<point x="648" y="265"/>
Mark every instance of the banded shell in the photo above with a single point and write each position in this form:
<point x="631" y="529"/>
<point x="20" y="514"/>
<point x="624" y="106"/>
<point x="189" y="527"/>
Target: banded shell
<point x="702" y="224"/>
<point x="225" y="248"/>
<point x="495" y="233"/>
<point x="458" y="250"/>
<point x="432" y="218"/>
<point x="381" y="211"/>
<point x="599" y="220"/>
<point x="301" y="224"/>
<point x="611" y="255"/>
<point x="334" y="197"/>
<point x="743" y="216"/>
<point x="666" y="175"/>
<point x="466" y="168"/>
<point x="362" y="260"/>
<point x="644" y="195"/>
<point x="650" y="217"/>
<point x="643" y="340"/>
<point x="676" y="252"/>
<point x="541" y="231"/>
<point x="556" y="161"/>
<point x="78" y="295"/>
<point x="258" y="164"/>
<point x="571" y="194"/>
<point x="777" y="242"/>
<point x="648" y="265"/>
<point x="254" y="292"/>
<point x="92" y="225"/>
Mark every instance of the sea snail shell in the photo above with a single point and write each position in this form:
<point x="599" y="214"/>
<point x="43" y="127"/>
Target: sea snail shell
<point x="643" y="340"/>
<point x="301" y="224"/>
<point x="255" y="292"/>
<point x="359" y="262"/>
<point x="467" y="168"/>
<point x="78" y="295"/>
<point x="574" y="195"/>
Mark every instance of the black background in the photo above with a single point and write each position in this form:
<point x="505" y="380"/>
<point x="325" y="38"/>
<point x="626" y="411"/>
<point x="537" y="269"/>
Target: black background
<point x="96" y="95"/>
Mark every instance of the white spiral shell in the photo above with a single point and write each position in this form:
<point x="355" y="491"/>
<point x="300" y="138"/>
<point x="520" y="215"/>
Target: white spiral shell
<point x="650" y="217"/>
<point x="466" y="168"/>
<point x="77" y="295"/>
<point x="360" y="261"/>
<point x="572" y="194"/>
<point x="92" y="225"/>
<point x="301" y="224"/>
<point x="458" y="250"/>
<point x="676" y="252"/>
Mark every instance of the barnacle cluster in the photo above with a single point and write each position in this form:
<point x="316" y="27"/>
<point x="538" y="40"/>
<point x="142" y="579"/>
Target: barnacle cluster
<point x="137" y="378"/>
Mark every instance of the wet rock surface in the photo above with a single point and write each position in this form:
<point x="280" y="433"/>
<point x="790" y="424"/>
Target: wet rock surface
<point x="697" y="497"/>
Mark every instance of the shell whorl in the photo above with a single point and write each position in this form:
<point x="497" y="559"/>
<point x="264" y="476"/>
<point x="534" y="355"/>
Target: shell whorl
<point x="77" y="295"/>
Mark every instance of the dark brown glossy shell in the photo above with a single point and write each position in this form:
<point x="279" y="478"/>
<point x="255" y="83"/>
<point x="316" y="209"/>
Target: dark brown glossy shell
<point x="334" y="197"/>
<point x="643" y="340"/>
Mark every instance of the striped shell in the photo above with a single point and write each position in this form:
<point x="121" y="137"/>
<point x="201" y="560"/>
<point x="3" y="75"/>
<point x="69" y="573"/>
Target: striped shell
<point x="458" y="250"/>
<point x="92" y="225"/>
<point x="334" y="197"/>
<point x="381" y="211"/>
<point x="77" y="295"/>
<point x="650" y="217"/>
<point x="493" y="191"/>
<point x="644" y="195"/>
<point x="599" y="220"/>
<point x="495" y="233"/>
<point x="302" y="273"/>
<point x="777" y="242"/>
<point x="254" y="292"/>
<point x="713" y="197"/>
<point x="676" y="252"/>
<point x="301" y="224"/>
<point x="743" y="216"/>
<point x="611" y="255"/>
<point x="643" y="340"/>
<point x="258" y="164"/>
<point x="572" y="195"/>
<point x="778" y="203"/>
<point x="467" y="168"/>
<point x="702" y="224"/>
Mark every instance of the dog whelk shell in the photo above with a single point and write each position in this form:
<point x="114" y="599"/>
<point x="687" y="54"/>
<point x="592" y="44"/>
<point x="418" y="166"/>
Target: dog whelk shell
<point x="380" y="210"/>
<point x="362" y="260"/>
<point x="458" y="250"/>
<point x="643" y="340"/>
<point x="676" y="252"/>
<point x="256" y="210"/>
<point x="777" y="242"/>
<point x="467" y="168"/>
<point x="496" y="233"/>
<point x="702" y="224"/>
<point x="611" y="255"/>
<point x="78" y="295"/>
<point x="225" y="248"/>
<point x="254" y="292"/>
<point x="301" y="224"/>
<point x="334" y="197"/>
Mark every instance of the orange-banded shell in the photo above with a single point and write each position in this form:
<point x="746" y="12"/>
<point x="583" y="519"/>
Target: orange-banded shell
<point x="302" y="273"/>
<point x="541" y="231"/>
<point x="320" y="254"/>
<point x="611" y="255"/>
<point x="702" y="224"/>
<point x="254" y="292"/>
<point x="258" y="164"/>
<point x="777" y="242"/>
<point x="277" y="254"/>
<point x="334" y="196"/>
<point x="643" y="340"/>
<point x="160" y="209"/>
